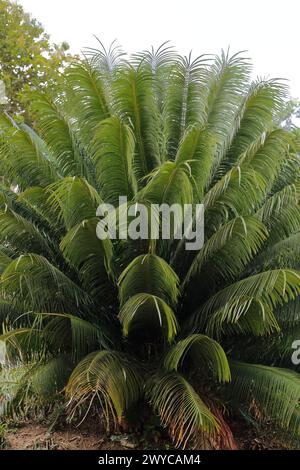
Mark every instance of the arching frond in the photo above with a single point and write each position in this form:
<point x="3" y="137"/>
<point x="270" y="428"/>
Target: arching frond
<point x="37" y="385"/>
<point x="76" y="200"/>
<point x="284" y="253"/>
<point x="275" y="391"/>
<point x="71" y="334"/>
<point x="113" y="154"/>
<point x="18" y="232"/>
<point x="22" y="158"/>
<point x="106" y="60"/>
<point x="171" y="184"/>
<point x="248" y="304"/>
<point x="87" y="100"/>
<point x="36" y="199"/>
<point x="147" y="313"/>
<point x="204" y="351"/>
<point x="267" y="159"/>
<point x="104" y="377"/>
<point x="280" y="213"/>
<point x="227" y="81"/>
<point x="135" y="103"/>
<point x="56" y="131"/>
<point x="185" y="99"/>
<point x="228" y="250"/>
<point x="163" y="56"/>
<point x="224" y="200"/>
<point x="197" y="148"/>
<point x="90" y="255"/>
<point x="39" y="286"/>
<point x="149" y="274"/>
<point x="261" y="103"/>
<point x="180" y="408"/>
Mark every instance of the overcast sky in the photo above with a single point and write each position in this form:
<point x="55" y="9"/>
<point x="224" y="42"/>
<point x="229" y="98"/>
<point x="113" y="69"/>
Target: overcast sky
<point x="268" y="29"/>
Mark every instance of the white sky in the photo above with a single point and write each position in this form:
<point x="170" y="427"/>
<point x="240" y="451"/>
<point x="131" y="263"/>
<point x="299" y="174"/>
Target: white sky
<point x="267" y="29"/>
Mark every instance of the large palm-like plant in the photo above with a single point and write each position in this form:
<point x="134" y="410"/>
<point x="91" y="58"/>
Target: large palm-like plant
<point x="117" y="322"/>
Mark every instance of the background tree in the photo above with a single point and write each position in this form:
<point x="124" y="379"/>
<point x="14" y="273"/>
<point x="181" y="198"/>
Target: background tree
<point x="289" y="114"/>
<point x="27" y="57"/>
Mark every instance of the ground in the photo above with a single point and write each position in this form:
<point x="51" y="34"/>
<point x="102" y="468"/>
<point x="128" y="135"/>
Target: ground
<point x="36" y="436"/>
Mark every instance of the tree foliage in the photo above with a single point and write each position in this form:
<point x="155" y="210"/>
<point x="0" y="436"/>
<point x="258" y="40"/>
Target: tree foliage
<point x="27" y="58"/>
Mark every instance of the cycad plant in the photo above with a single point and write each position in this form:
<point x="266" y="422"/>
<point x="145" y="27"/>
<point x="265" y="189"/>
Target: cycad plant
<point x="115" y="324"/>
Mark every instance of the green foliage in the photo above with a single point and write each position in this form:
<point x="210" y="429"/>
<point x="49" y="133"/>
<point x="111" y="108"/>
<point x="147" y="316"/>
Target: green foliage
<point x="113" y="154"/>
<point x="268" y="387"/>
<point x="103" y="376"/>
<point x="203" y="350"/>
<point x="27" y="58"/>
<point x="110" y="323"/>
<point x="149" y="273"/>
<point x="146" y="311"/>
<point x="180" y="408"/>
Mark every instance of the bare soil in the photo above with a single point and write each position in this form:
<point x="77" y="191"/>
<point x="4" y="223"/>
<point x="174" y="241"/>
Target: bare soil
<point x="36" y="436"/>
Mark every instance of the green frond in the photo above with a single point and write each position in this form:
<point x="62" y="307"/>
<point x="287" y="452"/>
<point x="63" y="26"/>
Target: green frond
<point x="39" y="286"/>
<point x="76" y="200"/>
<point x="228" y="250"/>
<point x="288" y="315"/>
<point x="23" y="344"/>
<point x="290" y="170"/>
<point x="275" y="391"/>
<point x="87" y="102"/>
<point x="248" y="304"/>
<point x="38" y="228"/>
<point x="42" y="148"/>
<point x="106" y="60"/>
<point x="54" y="128"/>
<point x="4" y="260"/>
<point x="280" y="213"/>
<point x="227" y="80"/>
<point x="204" y="351"/>
<point x="284" y="253"/>
<point x="112" y="152"/>
<point x="148" y="313"/>
<point x="23" y="158"/>
<point x="158" y="65"/>
<point x="267" y="158"/>
<point x="18" y="232"/>
<point x="91" y="256"/>
<point x="179" y="407"/>
<point x="184" y="103"/>
<point x="9" y="313"/>
<point x="74" y="335"/>
<point x="104" y="377"/>
<point x="37" y="385"/>
<point x="254" y="175"/>
<point x="149" y="274"/>
<point x="49" y="378"/>
<point x="162" y="57"/>
<point x="225" y="199"/>
<point x="256" y="116"/>
<point x="171" y="183"/>
<point x="197" y="148"/>
<point x="10" y="198"/>
<point x="36" y="199"/>
<point x="134" y="101"/>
